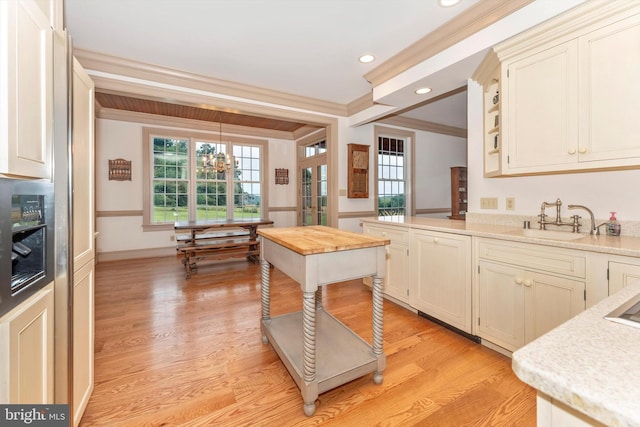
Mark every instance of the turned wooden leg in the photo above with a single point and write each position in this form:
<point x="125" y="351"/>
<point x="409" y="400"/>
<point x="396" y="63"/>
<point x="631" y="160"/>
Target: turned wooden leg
<point x="265" y="271"/>
<point x="319" y="298"/>
<point x="377" y="327"/>
<point x="309" y="351"/>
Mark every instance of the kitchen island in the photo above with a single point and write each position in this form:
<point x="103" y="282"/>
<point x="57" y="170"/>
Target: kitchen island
<point x="586" y="371"/>
<point x="319" y="351"/>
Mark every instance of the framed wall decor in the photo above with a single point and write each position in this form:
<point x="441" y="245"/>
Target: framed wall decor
<point x="358" y="172"/>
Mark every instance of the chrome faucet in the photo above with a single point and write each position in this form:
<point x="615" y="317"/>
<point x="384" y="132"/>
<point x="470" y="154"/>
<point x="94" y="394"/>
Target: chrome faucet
<point x="595" y="229"/>
<point x="574" y="224"/>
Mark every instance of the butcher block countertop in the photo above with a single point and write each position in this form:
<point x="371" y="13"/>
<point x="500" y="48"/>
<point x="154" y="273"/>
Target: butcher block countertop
<point x="319" y="239"/>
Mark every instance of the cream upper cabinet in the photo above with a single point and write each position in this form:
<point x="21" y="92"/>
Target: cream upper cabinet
<point x="396" y="280"/>
<point x="540" y="109"/>
<point x="26" y="90"/>
<point x="610" y="93"/>
<point x="441" y="276"/>
<point x="569" y="97"/>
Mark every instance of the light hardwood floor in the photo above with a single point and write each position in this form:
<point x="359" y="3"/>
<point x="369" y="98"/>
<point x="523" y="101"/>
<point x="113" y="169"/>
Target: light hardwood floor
<point x="171" y="351"/>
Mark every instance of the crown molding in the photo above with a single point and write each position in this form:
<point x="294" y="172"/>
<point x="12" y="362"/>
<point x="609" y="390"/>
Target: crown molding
<point x="477" y="17"/>
<point x="568" y="25"/>
<point x="178" y="96"/>
<point x="423" y="125"/>
<point x="124" y="67"/>
<point x="360" y="104"/>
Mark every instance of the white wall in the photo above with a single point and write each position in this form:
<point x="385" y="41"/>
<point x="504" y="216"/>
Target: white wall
<point x="602" y="192"/>
<point x="434" y="155"/>
<point x="116" y="139"/>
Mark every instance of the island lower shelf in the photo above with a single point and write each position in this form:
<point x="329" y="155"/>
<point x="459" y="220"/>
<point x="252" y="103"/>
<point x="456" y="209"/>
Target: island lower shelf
<point x="341" y="355"/>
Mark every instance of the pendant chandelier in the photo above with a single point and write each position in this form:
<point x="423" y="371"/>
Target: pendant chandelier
<point x="217" y="162"/>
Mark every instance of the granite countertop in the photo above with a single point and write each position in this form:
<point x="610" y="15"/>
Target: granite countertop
<point x="615" y="245"/>
<point x="589" y="363"/>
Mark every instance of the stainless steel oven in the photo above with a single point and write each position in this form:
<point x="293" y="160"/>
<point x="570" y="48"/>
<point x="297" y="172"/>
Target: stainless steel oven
<point x="26" y="239"/>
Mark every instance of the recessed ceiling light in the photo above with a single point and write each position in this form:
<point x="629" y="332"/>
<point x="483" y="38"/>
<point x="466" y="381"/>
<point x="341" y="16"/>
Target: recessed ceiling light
<point x="423" y="90"/>
<point x="365" y="59"/>
<point x="448" y="3"/>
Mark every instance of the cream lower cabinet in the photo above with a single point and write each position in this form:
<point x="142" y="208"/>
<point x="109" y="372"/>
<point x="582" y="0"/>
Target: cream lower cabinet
<point x="396" y="280"/>
<point x="441" y="276"/>
<point x="26" y="351"/>
<point x="83" y="333"/>
<point x="622" y="273"/>
<point x="525" y="291"/>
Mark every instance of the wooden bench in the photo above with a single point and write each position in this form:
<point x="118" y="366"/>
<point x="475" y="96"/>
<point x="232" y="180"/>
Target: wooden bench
<point x="217" y="240"/>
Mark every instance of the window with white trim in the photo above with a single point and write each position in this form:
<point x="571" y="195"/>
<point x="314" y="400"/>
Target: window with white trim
<point x="195" y="178"/>
<point x="391" y="176"/>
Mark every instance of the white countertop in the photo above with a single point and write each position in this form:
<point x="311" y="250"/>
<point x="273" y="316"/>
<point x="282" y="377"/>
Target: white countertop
<point x="589" y="363"/>
<point x="620" y="245"/>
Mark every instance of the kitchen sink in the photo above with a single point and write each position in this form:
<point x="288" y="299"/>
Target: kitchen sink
<point x="547" y="234"/>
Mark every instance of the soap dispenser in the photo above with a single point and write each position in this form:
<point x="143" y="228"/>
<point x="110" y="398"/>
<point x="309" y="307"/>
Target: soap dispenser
<point x="613" y="226"/>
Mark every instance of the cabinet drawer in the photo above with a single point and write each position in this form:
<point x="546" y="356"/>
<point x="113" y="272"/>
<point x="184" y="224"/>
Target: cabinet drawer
<point x="548" y="259"/>
<point x="395" y="234"/>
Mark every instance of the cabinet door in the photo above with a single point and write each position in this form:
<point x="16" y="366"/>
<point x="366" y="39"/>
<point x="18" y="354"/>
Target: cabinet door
<point x="83" y="334"/>
<point x="83" y="167"/>
<point x="540" y="116"/>
<point x="621" y="274"/>
<point x="441" y="273"/>
<point x="26" y="90"/>
<point x="396" y="281"/>
<point x="26" y="347"/>
<point x="549" y="302"/>
<point x="610" y="92"/>
<point x="501" y="300"/>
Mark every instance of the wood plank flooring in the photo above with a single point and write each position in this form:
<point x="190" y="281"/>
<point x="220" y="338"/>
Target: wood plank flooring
<point x="171" y="351"/>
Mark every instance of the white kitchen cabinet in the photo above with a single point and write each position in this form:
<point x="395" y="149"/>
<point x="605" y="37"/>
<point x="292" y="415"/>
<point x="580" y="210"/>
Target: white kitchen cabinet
<point x="83" y="337"/>
<point x="622" y="273"/>
<point x="396" y="280"/>
<point x="26" y="90"/>
<point x="441" y="276"/>
<point x="526" y="290"/>
<point x="83" y="239"/>
<point x="83" y="167"/>
<point x="568" y="97"/>
<point x="26" y="350"/>
<point x="609" y="93"/>
<point x="501" y="305"/>
<point x="540" y="102"/>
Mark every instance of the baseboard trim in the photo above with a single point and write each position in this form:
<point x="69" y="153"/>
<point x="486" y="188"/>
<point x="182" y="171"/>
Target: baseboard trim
<point x="136" y="254"/>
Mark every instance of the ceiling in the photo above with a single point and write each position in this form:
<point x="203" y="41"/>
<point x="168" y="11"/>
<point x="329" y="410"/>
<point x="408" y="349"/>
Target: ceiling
<point x="307" y="48"/>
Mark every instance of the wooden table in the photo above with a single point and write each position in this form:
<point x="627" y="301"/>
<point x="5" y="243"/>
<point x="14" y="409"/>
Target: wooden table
<point x="331" y="354"/>
<point x="216" y="239"/>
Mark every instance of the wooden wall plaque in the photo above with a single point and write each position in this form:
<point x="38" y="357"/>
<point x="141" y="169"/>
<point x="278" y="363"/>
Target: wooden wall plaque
<point x="358" y="172"/>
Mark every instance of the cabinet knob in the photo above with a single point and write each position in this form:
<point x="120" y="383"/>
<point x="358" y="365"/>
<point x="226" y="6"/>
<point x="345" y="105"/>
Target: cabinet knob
<point x="384" y="233"/>
<point x="518" y="281"/>
<point x="572" y="151"/>
<point x="527" y="283"/>
<point x="582" y="150"/>
<point x="436" y="240"/>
